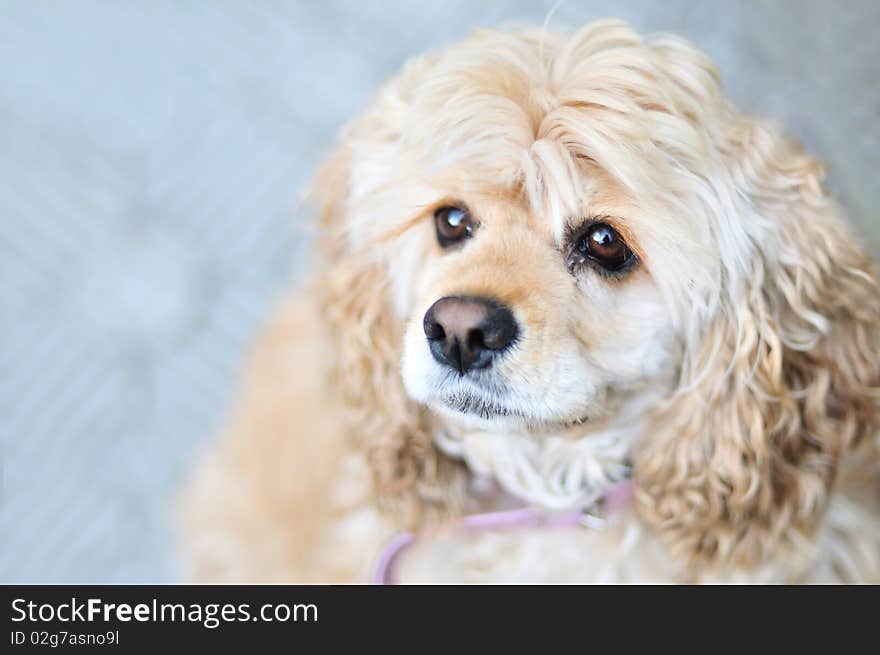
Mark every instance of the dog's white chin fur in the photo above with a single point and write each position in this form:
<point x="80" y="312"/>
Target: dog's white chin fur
<point x="552" y="456"/>
<point x="554" y="471"/>
<point x="555" y="466"/>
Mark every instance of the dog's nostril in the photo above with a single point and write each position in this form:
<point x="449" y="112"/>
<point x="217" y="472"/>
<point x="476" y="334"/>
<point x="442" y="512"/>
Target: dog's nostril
<point x="434" y="330"/>
<point x="475" y="339"/>
<point x="500" y="332"/>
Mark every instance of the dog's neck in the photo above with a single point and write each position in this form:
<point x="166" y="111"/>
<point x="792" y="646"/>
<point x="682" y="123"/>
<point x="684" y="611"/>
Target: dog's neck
<point x="567" y="469"/>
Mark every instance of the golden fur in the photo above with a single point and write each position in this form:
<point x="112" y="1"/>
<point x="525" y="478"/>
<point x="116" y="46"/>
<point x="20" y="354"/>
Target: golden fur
<point x="737" y="368"/>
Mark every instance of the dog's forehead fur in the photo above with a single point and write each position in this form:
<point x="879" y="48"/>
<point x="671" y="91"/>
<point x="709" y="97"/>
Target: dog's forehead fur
<point x="599" y="123"/>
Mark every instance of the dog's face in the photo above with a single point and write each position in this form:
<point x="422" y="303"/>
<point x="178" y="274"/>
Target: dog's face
<point x="517" y="319"/>
<point x="538" y="224"/>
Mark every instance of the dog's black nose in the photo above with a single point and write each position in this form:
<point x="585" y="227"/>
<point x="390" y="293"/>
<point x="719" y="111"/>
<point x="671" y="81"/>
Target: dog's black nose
<point x="466" y="332"/>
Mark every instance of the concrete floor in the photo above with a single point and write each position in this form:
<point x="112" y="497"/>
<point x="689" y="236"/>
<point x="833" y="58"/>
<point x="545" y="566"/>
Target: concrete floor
<point x="151" y="157"/>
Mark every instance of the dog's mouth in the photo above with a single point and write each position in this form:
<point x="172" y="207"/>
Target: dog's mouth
<point x="474" y="405"/>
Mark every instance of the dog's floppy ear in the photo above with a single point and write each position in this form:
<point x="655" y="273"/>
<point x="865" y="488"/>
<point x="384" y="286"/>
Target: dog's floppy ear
<point x="786" y="377"/>
<point x="412" y="480"/>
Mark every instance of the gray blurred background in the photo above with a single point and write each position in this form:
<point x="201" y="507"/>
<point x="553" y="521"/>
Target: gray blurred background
<point x="151" y="158"/>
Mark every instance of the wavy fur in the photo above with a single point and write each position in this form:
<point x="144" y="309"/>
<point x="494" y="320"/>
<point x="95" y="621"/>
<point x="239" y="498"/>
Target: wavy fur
<point x="736" y="371"/>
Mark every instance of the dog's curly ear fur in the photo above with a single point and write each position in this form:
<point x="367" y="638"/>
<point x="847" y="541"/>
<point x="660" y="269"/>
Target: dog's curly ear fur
<point x="412" y="480"/>
<point x="786" y="379"/>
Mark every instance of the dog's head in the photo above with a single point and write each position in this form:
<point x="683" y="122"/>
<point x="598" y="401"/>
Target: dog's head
<point x="551" y="233"/>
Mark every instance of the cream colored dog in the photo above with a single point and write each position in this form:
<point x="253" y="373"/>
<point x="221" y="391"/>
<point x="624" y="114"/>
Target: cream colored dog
<point x="550" y="263"/>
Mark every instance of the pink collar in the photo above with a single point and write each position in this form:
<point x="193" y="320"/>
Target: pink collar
<point x="617" y="496"/>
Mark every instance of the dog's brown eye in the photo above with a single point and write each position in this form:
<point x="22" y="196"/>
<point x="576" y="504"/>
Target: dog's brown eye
<point x="453" y="224"/>
<point x="603" y="245"/>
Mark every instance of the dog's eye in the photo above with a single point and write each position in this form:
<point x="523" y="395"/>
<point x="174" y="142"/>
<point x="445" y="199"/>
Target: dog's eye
<point x="602" y="244"/>
<point x="454" y="224"/>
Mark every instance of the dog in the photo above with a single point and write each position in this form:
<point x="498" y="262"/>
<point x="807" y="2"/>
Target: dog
<point x="554" y="269"/>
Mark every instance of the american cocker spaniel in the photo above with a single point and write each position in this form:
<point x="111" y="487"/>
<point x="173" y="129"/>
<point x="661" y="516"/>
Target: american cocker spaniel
<point x="574" y="318"/>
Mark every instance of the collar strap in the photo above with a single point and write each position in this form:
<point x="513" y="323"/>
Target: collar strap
<point x="616" y="497"/>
